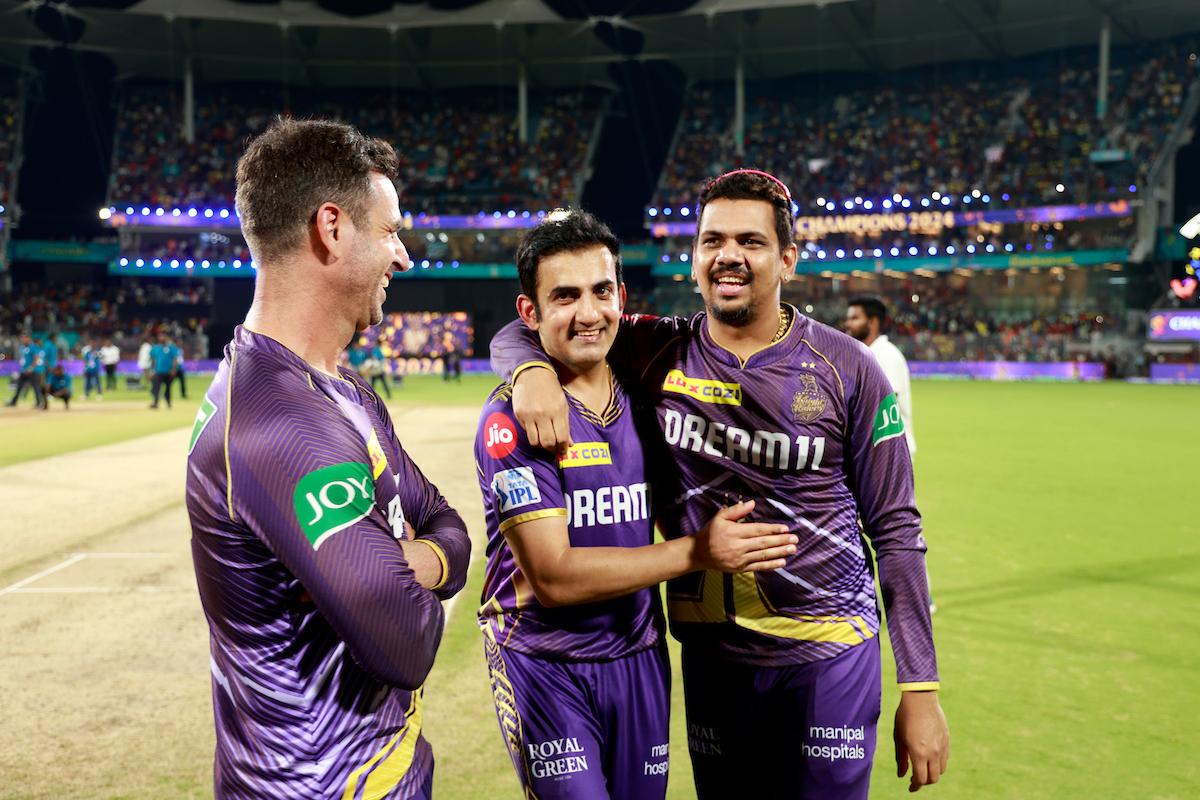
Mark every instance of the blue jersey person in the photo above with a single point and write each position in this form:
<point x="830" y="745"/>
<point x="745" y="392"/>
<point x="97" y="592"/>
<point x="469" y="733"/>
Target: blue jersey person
<point x="32" y="369"/>
<point x="165" y="358"/>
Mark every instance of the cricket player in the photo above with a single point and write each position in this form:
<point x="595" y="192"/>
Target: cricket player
<point x="32" y="369"/>
<point x="864" y="321"/>
<point x="755" y="401"/>
<point x="321" y="551"/>
<point x="165" y="357"/>
<point x="571" y="619"/>
<point x="58" y="384"/>
<point x="92" y="363"/>
<point x="110" y="355"/>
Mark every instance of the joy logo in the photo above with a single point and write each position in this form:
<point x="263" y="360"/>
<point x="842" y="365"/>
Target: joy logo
<point x="499" y="436"/>
<point x="329" y="499"/>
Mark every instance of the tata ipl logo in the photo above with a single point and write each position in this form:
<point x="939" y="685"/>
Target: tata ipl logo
<point x="1158" y="325"/>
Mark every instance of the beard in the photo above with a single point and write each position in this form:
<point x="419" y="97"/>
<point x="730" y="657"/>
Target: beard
<point x="737" y="316"/>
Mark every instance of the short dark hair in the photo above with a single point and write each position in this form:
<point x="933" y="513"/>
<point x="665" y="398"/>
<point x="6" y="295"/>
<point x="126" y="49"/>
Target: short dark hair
<point x="872" y="306"/>
<point x="751" y="184"/>
<point x="294" y="167"/>
<point x="562" y="231"/>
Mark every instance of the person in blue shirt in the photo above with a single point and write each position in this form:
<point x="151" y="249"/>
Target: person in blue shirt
<point x="376" y="366"/>
<point x="91" y="370"/>
<point x="164" y="361"/>
<point x="58" y="384"/>
<point x="50" y="352"/>
<point x="356" y="355"/>
<point x="32" y="367"/>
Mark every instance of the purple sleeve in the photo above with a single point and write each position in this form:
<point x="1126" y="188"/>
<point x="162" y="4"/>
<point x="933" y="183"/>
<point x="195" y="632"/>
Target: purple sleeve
<point x="640" y="339"/>
<point x="524" y="481"/>
<point x="881" y="478"/>
<point x="304" y="488"/>
<point x="432" y="518"/>
<point x="436" y="523"/>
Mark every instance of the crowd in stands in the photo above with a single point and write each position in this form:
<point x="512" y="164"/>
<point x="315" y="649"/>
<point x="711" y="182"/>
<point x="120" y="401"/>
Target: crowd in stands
<point x="466" y="247"/>
<point x="71" y="315"/>
<point x="458" y="154"/>
<point x="183" y="246"/>
<point x="944" y="323"/>
<point x="8" y="137"/>
<point x="421" y="334"/>
<point x="1032" y="239"/>
<point x="1016" y="130"/>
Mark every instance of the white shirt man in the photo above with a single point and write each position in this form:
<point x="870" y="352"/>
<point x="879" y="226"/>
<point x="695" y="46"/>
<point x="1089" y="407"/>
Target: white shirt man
<point x="864" y="321"/>
<point x="110" y="354"/>
<point x="143" y="358"/>
<point x="896" y="368"/>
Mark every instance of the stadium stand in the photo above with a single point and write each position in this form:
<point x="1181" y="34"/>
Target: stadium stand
<point x="1015" y="130"/>
<point x="8" y="134"/>
<point x="127" y="312"/>
<point x="460" y="153"/>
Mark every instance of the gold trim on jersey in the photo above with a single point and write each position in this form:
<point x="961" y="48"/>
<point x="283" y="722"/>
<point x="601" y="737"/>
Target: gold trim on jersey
<point x="836" y="374"/>
<point x="505" y="700"/>
<point x="925" y="686"/>
<point x="658" y="355"/>
<point x="501" y="393"/>
<point x="529" y="365"/>
<point x="754" y="612"/>
<point x="228" y="420"/>
<point x="612" y="409"/>
<point x="780" y="338"/>
<point x="394" y="765"/>
<point x="529" y="516"/>
<point x="441" y="557"/>
<point x="707" y="604"/>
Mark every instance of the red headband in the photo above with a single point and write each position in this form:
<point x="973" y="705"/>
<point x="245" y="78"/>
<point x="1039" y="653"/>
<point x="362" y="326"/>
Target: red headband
<point x="767" y="175"/>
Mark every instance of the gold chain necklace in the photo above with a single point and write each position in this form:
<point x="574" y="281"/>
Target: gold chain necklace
<point x="784" y="318"/>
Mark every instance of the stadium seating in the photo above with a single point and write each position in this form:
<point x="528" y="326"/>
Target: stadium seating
<point x="459" y="154"/>
<point x="1016" y="130"/>
<point x="945" y="323"/>
<point x="8" y="135"/>
<point x="127" y="312"/>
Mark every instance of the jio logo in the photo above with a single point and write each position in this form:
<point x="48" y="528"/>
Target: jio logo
<point x="500" y="437"/>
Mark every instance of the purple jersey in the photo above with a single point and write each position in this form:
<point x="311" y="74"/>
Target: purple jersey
<point x="320" y="635"/>
<point x="599" y="487"/>
<point x="807" y="427"/>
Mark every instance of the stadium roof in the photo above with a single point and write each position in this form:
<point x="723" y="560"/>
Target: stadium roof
<point x="447" y="43"/>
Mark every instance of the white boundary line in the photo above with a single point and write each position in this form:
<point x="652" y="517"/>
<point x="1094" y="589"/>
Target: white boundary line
<point x="86" y="590"/>
<point x="19" y="586"/>
<point x="75" y="559"/>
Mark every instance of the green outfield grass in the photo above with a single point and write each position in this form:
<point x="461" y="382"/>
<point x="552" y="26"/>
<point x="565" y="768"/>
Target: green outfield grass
<point x="123" y="414"/>
<point x="1065" y="560"/>
<point x="1066" y="567"/>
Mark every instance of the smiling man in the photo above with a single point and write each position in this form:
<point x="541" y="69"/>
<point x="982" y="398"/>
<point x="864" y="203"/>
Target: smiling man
<point x="572" y="624"/>
<point x="321" y="551"/>
<point x="754" y="401"/>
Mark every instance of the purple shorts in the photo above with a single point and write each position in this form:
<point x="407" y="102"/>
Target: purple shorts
<point x="591" y="730"/>
<point x="804" y="731"/>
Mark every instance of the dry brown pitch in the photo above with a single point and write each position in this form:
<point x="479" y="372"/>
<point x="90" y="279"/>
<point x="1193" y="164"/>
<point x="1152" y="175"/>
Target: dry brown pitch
<point x="104" y="665"/>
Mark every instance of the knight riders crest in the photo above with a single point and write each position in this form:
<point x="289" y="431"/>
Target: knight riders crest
<point x="808" y="403"/>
